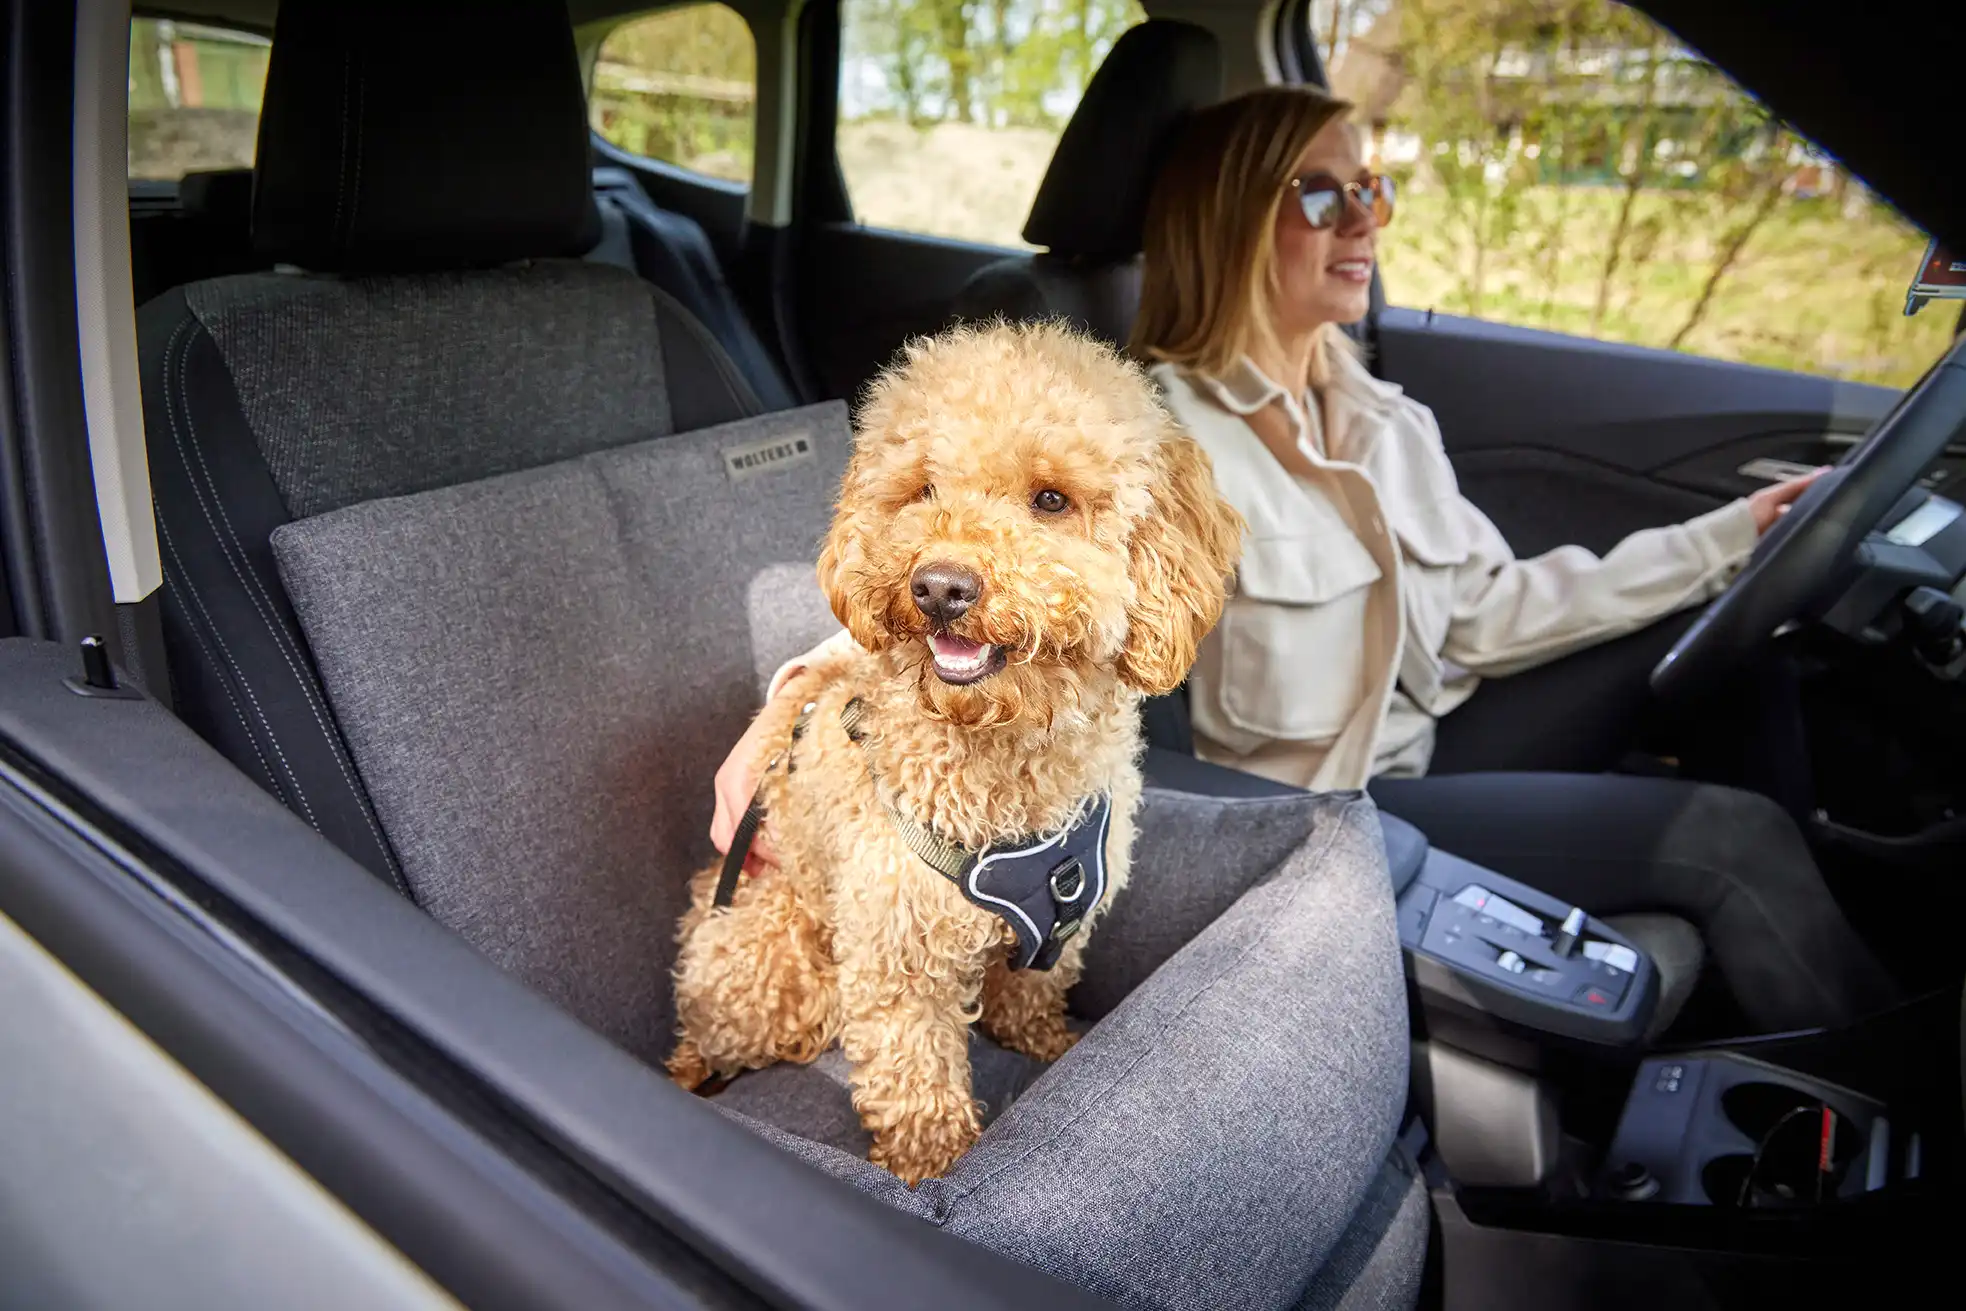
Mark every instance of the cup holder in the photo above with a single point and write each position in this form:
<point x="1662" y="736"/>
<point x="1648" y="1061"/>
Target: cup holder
<point x="1786" y="1126"/>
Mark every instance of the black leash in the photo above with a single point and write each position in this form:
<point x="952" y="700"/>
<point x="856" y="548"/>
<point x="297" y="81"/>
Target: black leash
<point x="754" y="815"/>
<point x="740" y="847"/>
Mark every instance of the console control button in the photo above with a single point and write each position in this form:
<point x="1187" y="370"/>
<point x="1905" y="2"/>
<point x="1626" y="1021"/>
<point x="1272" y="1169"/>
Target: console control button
<point x="1615" y="955"/>
<point x="1498" y="909"/>
<point x="1511" y="962"/>
<point x="1596" y="997"/>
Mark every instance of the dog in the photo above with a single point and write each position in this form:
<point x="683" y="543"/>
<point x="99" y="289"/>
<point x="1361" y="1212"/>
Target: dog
<point x="1025" y="545"/>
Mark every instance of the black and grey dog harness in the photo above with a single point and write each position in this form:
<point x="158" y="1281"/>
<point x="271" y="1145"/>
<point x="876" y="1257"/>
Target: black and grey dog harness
<point x="1043" y="886"/>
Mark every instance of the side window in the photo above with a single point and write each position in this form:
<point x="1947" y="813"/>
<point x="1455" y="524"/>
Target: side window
<point x="680" y="86"/>
<point x="194" y="98"/>
<point x="1571" y="167"/>
<point x="949" y="111"/>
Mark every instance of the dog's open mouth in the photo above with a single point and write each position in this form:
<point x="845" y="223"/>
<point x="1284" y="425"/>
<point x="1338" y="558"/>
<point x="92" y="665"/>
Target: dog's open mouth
<point x="959" y="660"/>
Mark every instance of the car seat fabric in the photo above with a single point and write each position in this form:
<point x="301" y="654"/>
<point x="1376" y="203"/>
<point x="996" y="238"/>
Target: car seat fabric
<point x="1211" y="1142"/>
<point x="535" y="672"/>
<point x="544" y="785"/>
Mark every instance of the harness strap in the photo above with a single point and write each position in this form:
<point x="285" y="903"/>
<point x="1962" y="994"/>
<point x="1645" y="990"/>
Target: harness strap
<point x="1040" y="938"/>
<point x="951" y="860"/>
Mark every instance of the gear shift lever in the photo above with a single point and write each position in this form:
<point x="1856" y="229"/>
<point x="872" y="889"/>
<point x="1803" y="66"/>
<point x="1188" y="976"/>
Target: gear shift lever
<point x="1565" y="941"/>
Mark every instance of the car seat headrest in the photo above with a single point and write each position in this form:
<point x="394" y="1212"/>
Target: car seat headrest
<point x="422" y="135"/>
<point x="1093" y="201"/>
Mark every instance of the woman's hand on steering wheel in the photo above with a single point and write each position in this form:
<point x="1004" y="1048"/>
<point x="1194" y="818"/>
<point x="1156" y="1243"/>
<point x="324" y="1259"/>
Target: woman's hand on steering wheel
<point x="1773" y="501"/>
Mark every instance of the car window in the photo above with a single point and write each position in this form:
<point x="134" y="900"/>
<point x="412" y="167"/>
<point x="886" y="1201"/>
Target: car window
<point x="680" y="86"/>
<point x="194" y="97"/>
<point x="1571" y="167"/>
<point x="949" y="112"/>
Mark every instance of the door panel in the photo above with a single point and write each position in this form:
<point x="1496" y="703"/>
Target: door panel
<point x="865" y="291"/>
<point x="1564" y="439"/>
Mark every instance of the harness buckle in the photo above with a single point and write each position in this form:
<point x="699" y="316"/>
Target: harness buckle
<point x="1068" y="882"/>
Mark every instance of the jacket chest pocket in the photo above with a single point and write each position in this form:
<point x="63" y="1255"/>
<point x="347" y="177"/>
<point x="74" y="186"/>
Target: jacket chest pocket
<point x="1293" y="638"/>
<point x="1433" y="550"/>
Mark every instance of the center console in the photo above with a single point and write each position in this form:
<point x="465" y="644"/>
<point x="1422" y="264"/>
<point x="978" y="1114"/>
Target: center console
<point x="1724" y="1129"/>
<point x="1487" y="955"/>
<point x="1565" y="1150"/>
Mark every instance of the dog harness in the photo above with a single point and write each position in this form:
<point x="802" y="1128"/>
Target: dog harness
<point x="1042" y="885"/>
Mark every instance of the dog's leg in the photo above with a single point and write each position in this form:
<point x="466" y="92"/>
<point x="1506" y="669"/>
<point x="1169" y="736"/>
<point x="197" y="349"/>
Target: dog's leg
<point x="908" y="1044"/>
<point x="755" y="982"/>
<point x="1025" y="1009"/>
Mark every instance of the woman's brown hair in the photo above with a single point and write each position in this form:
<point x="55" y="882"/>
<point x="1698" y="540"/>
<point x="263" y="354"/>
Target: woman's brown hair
<point x="1210" y="235"/>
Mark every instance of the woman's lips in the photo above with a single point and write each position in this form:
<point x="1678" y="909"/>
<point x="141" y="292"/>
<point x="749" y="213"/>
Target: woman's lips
<point x="1350" y="270"/>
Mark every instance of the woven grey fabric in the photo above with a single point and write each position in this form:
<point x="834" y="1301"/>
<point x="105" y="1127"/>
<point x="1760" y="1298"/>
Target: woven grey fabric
<point x="536" y="675"/>
<point x="1378" y="1264"/>
<point x="357" y="388"/>
<point x="1209" y="1142"/>
<point x="813" y="1101"/>
<point x="1194" y="856"/>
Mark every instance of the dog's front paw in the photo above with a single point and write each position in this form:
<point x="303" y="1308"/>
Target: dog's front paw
<point x="926" y="1136"/>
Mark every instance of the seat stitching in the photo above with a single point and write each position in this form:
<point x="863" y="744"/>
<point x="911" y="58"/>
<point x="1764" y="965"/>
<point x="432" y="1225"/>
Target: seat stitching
<point x="281" y="640"/>
<point x="170" y="582"/>
<point x="272" y="738"/>
<point x="177" y="439"/>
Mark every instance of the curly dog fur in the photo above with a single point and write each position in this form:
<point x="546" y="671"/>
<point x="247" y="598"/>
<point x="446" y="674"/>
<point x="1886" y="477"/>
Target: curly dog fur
<point x="851" y="938"/>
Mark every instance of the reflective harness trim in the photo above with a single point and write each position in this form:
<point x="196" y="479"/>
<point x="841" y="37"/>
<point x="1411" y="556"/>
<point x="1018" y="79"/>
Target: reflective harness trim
<point x="1043" y="886"/>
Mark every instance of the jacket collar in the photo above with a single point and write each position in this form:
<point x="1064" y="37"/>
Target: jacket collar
<point x="1350" y="393"/>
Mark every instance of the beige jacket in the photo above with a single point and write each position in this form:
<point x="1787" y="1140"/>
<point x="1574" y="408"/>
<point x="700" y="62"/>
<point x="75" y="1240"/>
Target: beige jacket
<point x="1371" y="595"/>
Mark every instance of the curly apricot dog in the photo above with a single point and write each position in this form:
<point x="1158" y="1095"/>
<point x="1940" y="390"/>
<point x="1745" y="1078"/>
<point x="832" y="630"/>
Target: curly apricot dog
<point x="1025" y="545"/>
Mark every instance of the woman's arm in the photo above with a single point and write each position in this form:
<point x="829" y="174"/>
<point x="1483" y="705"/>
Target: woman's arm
<point x="838" y="644"/>
<point x="737" y="778"/>
<point x="1510" y="614"/>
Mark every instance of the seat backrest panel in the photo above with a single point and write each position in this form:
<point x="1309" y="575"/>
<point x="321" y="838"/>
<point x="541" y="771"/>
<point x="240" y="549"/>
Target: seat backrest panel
<point x="412" y="382"/>
<point x="534" y="671"/>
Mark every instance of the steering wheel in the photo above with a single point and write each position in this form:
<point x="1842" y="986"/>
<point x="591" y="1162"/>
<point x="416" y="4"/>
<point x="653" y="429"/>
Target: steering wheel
<point x="1816" y="539"/>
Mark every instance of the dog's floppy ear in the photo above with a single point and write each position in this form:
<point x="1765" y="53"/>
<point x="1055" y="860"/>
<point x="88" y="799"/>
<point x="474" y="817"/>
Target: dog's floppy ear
<point x="1180" y="558"/>
<point x="842" y="561"/>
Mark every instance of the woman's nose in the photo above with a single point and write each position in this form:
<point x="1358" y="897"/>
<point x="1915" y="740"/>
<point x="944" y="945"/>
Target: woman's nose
<point x="1357" y="217"/>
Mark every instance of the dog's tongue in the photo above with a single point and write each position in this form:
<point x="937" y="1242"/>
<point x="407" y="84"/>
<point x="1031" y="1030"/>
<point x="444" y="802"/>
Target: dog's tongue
<point x="948" y="646"/>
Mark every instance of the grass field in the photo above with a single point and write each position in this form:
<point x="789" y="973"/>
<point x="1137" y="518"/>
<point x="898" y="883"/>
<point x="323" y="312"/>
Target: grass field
<point x="1816" y="288"/>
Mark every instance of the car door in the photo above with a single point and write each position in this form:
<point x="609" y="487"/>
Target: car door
<point x="1626" y="292"/>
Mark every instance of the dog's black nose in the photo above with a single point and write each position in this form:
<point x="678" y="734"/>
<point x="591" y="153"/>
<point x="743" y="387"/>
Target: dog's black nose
<point x="945" y="592"/>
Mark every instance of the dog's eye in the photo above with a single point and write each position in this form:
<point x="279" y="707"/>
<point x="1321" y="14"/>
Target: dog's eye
<point x="1050" y="502"/>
